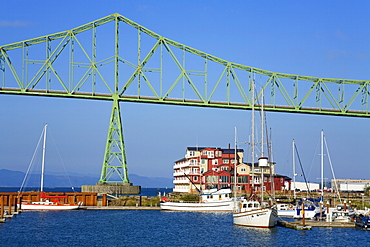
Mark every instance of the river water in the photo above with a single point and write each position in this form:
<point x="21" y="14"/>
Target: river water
<point x="159" y="228"/>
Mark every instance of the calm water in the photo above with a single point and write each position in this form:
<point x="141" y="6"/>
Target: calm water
<point x="159" y="228"/>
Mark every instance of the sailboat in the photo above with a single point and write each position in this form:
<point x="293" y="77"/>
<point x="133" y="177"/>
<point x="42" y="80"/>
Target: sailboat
<point x="45" y="203"/>
<point x="288" y="210"/>
<point x="253" y="211"/>
<point x="311" y="208"/>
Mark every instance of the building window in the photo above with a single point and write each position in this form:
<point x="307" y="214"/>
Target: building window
<point x="243" y="170"/>
<point x="243" y="179"/>
<point x="193" y="161"/>
<point x="215" y="162"/>
<point x="212" y="179"/>
<point x="224" y="179"/>
<point x="224" y="168"/>
<point x="195" y="178"/>
<point x="226" y="161"/>
<point x="191" y="153"/>
<point x="210" y="154"/>
<point x="203" y="161"/>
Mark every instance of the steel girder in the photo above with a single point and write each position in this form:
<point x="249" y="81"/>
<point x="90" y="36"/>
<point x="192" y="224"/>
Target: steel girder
<point x="80" y="63"/>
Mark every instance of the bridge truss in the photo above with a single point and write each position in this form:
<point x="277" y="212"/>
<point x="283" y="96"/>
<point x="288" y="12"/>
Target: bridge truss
<point x="116" y="59"/>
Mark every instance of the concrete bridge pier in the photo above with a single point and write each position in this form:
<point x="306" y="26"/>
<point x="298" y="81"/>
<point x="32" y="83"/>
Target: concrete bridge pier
<point x="115" y="189"/>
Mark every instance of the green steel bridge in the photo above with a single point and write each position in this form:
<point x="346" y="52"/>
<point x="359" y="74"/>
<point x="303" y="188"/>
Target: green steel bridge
<point x="116" y="59"/>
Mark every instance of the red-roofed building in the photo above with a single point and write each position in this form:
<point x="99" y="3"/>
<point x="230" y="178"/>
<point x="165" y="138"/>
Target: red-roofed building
<point x="210" y="167"/>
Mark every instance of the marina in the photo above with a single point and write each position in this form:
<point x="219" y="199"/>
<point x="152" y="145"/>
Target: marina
<point x="159" y="228"/>
<point x="219" y="195"/>
<point x="8" y="212"/>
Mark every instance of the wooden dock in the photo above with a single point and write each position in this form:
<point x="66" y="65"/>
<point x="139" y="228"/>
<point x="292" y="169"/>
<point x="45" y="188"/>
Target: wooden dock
<point x="309" y="224"/>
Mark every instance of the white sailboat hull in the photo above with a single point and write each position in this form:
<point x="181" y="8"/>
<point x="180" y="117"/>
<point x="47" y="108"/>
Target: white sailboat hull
<point x="202" y="206"/>
<point x="263" y="217"/>
<point x="32" y="206"/>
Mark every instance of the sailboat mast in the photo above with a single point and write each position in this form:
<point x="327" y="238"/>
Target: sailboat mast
<point x="262" y="148"/>
<point x="322" y="163"/>
<point x="252" y="141"/>
<point x="43" y="160"/>
<point x="294" y="172"/>
<point x="235" y="168"/>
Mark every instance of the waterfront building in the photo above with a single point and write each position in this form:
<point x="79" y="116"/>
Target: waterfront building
<point x="349" y="185"/>
<point x="213" y="167"/>
<point x="302" y="186"/>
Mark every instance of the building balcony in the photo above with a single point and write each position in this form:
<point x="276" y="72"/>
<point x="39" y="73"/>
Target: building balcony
<point x="182" y="181"/>
<point x="182" y="173"/>
<point x="187" y="164"/>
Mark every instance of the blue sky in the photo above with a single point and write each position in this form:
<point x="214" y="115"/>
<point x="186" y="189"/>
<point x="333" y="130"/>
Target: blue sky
<point x="313" y="38"/>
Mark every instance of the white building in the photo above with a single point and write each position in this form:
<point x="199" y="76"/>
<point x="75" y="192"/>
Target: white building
<point x="349" y="185"/>
<point x="302" y="186"/>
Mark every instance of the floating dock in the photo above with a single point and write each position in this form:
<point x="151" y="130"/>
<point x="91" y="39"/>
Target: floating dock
<point x="293" y="225"/>
<point x="309" y="224"/>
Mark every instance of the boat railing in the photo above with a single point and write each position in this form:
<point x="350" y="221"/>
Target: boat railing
<point x="180" y="200"/>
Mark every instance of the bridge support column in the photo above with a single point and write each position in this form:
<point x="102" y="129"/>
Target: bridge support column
<point x="115" y="156"/>
<point x="114" y="169"/>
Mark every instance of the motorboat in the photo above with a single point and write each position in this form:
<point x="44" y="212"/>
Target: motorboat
<point x="342" y="213"/>
<point x="363" y="223"/>
<point x="254" y="213"/>
<point x="309" y="208"/>
<point x="210" y="200"/>
<point x="285" y="210"/>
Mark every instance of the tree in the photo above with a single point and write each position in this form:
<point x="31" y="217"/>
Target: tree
<point x="367" y="190"/>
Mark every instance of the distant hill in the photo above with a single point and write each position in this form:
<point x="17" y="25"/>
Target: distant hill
<point x="10" y="178"/>
<point x="151" y="182"/>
